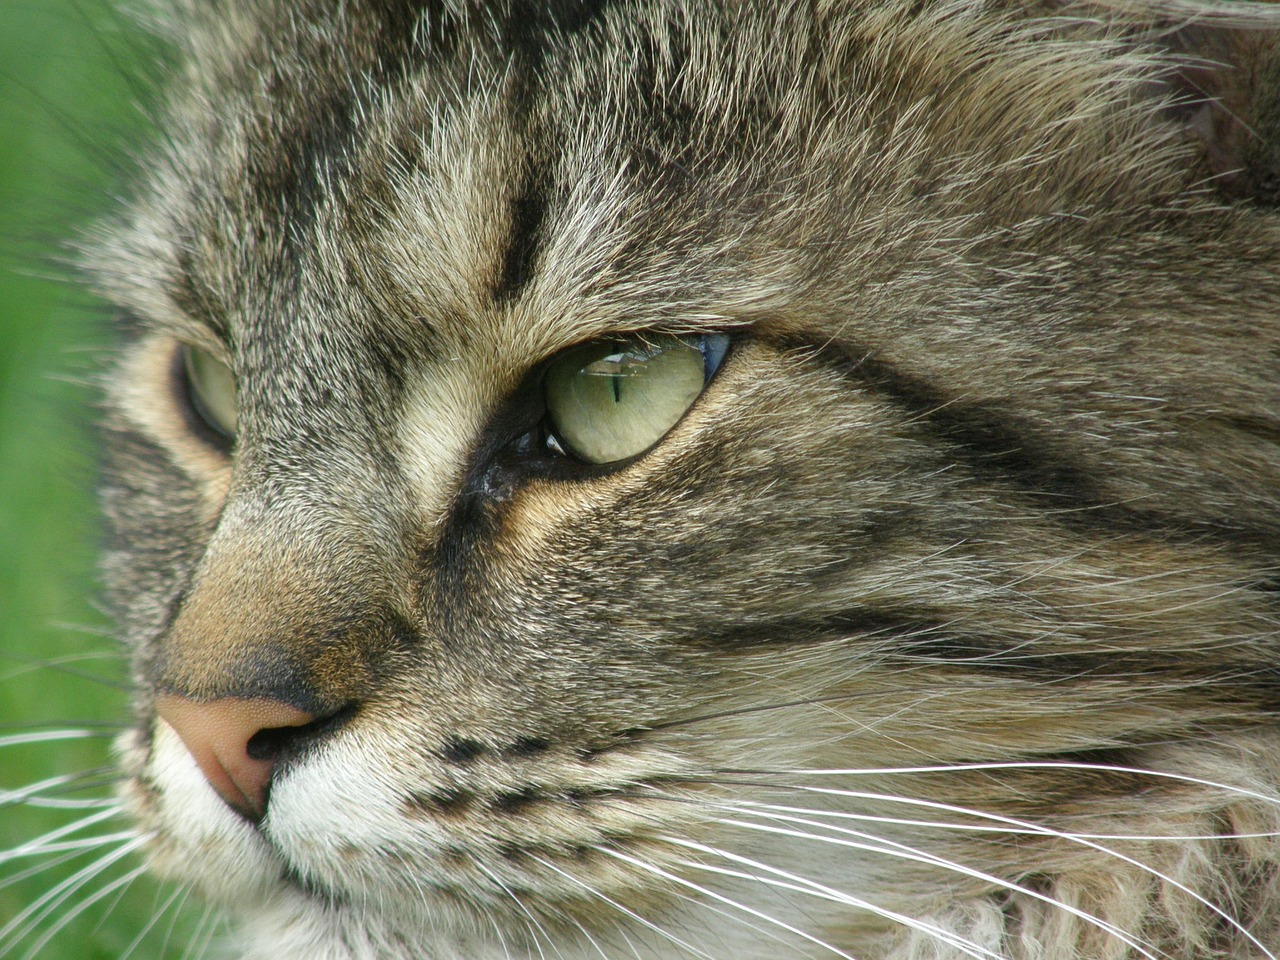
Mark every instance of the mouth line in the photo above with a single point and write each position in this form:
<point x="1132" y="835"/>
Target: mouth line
<point x="310" y="888"/>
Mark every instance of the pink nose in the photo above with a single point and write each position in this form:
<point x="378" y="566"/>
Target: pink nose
<point x="217" y="735"/>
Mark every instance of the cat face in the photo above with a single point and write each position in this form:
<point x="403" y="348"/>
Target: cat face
<point x="699" y="480"/>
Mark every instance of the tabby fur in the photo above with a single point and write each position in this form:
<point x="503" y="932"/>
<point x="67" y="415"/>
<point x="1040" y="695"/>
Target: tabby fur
<point x="943" y="625"/>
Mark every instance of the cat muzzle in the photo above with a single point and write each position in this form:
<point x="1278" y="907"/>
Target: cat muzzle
<point x="226" y="737"/>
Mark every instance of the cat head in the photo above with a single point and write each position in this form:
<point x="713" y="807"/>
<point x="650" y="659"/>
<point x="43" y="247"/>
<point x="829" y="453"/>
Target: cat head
<point x="574" y="467"/>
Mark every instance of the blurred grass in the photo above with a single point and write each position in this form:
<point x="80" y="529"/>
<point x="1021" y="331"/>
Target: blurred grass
<point x="68" y="104"/>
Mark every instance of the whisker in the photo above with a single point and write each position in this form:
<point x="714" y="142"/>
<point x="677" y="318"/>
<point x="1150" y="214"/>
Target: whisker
<point x="89" y="843"/>
<point x="502" y="940"/>
<point x="54" y="803"/>
<point x="59" y="664"/>
<point x="625" y="911"/>
<point x="582" y="928"/>
<point x="635" y="951"/>
<point x="1032" y="829"/>
<point x="156" y="916"/>
<point x="173" y="923"/>
<point x="30" y="795"/>
<point x="201" y="938"/>
<point x="1024" y="827"/>
<point x="813" y="888"/>
<point x="728" y="901"/>
<point x="39" y="843"/>
<point x="1015" y="765"/>
<point x="497" y="932"/>
<point x="44" y="736"/>
<point x="748" y="711"/>
<point x="17" y="929"/>
<point x="39" y="868"/>
<point x="1082" y="841"/>
<point x="903" y="851"/>
<point x="735" y="918"/>
<point x="80" y="908"/>
<point x="537" y="926"/>
<point x="497" y="929"/>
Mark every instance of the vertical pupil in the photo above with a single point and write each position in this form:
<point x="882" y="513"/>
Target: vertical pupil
<point x="600" y="418"/>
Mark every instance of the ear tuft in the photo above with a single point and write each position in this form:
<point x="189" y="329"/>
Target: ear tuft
<point x="1227" y="82"/>
<point x="1223" y="76"/>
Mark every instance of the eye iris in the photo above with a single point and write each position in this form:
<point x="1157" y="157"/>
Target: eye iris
<point x="212" y="390"/>
<point x="614" y="399"/>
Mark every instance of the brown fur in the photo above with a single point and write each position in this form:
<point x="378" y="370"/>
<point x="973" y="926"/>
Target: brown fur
<point x="974" y="534"/>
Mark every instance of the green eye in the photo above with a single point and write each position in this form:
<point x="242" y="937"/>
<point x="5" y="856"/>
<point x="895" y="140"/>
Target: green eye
<point x="211" y="390"/>
<point x="613" y="399"/>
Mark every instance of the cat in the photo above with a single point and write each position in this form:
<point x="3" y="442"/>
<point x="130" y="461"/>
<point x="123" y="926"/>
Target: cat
<point x="706" y="478"/>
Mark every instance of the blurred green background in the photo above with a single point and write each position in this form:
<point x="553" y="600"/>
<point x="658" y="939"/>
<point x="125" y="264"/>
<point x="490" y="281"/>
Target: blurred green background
<point x="73" y="93"/>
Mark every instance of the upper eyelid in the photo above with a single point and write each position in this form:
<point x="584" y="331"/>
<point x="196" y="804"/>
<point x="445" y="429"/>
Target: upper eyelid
<point x="592" y="332"/>
<point x="175" y="329"/>
<point x="174" y="338"/>
<point x="210" y="344"/>
<point x="680" y="331"/>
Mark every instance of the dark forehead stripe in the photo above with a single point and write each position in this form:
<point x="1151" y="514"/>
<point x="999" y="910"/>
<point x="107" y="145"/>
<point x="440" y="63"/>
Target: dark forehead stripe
<point x="192" y="297"/>
<point x="528" y="211"/>
<point x="529" y="33"/>
<point x="314" y="111"/>
<point x="531" y="26"/>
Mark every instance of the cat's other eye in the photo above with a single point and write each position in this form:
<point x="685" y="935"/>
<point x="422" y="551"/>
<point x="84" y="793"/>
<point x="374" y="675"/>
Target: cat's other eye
<point x="612" y="399"/>
<point x="211" y="391"/>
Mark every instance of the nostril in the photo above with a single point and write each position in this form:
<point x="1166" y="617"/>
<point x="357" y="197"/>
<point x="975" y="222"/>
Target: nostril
<point x="220" y="735"/>
<point x="272" y="744"/>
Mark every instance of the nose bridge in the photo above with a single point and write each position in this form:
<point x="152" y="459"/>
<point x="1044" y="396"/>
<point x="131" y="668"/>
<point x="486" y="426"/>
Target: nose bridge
<point x="281" y="607"/>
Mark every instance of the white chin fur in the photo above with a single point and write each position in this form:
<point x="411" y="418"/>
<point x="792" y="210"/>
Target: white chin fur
<point x="199" y="839"/>
<point x="314" y="813"/>
<point x="335" y="821"/>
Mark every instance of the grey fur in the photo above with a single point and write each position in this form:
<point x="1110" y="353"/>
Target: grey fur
<point x="974" y="534"/>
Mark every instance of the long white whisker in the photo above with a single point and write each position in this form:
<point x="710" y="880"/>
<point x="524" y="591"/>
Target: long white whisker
<point x="20" y="926"/>
<point x="693" y="901"/>
<point x="88" y="843"/>
<point x="1032" y="829"/>
<point x="1017" y="765"/>
<point x="80" y="908"/>
<point x="45" y="736"/>
<point x="1042" y="830"/>
<point x="682" y="881"/>
<point x="185" y="891"/>
<point x="156" y="916"/>
<point x="582" y="928"/>
<point x="41" y="842"/>
<point x="810" y="887"/>
<point x="892" y="848"/>
<point x="201" y="937"/>
<point x="30" y="794"/>
<point x="497" y="932"/>
<point x="38" y="868"/>
<point x="635" y="951"/>
<point x="643" y="921"/>
<point x="523" y="909"/>
<point x="55" y="803"/>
